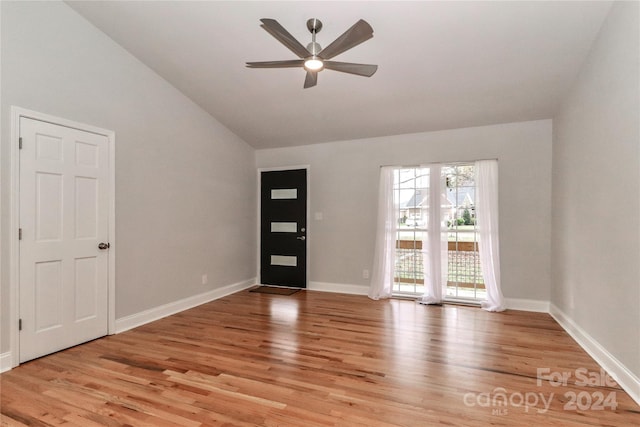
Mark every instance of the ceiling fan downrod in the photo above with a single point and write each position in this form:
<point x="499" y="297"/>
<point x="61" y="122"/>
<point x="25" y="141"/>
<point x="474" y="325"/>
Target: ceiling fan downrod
<point x="314" y="25"/>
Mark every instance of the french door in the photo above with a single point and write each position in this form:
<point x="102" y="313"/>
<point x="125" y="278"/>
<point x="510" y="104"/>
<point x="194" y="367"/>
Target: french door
<point x="416" y="195"/>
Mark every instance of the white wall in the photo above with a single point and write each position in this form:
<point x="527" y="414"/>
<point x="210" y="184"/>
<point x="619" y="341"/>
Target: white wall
<point x="596" y="193"/>
<point x="185" y="185"/>
<point x="344" y="186"/>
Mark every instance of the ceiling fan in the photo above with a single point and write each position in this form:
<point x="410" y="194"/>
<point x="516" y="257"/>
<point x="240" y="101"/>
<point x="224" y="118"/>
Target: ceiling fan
<point x="313" y="58"/>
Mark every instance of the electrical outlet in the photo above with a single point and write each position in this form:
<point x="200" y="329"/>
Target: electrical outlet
<point x="365" y="274"/>
<point x="205" y="279"/>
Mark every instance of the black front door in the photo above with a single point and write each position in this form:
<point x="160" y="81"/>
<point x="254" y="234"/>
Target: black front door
<point x="283" y="228"/>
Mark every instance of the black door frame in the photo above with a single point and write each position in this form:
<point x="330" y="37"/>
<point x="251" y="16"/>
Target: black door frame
<point x="259" y="210"/>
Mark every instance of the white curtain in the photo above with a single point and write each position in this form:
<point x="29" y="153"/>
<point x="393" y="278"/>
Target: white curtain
<point x="385" y="251"/>
<point x="487" y="218"/>
<point x="434" y="240"/>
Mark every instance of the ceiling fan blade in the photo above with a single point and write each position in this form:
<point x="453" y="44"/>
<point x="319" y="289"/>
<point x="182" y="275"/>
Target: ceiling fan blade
<point x="276" y="64"/>
<point x="360" y="32"/>
<point x="283" y="36"/>
<point x="366" y="70"/>
<point x="311" y="79"/>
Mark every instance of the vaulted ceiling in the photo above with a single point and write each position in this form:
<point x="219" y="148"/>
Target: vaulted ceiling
<point x="442" y="65"/>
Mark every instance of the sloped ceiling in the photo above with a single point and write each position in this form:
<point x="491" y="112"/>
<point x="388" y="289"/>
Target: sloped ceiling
<point x="442" y="65"/>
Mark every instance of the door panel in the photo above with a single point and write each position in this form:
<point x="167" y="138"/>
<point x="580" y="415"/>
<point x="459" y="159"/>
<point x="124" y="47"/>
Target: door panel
<point x="48" y="295"/>
<point x="63" y="216"/>
<point x="283" y="225"/>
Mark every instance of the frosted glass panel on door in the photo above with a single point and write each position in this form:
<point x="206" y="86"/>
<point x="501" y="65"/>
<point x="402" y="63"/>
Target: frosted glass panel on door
<point x="284" y="260"/>
<point x="284" y="227"/>
<point x="284" y="193"/>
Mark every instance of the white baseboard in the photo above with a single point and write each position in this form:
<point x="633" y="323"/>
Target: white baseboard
<point x="618" y="371"/>
<point x="339" y="288"/>
<point x="6" y="362"/>
<point x="139" y="319"/>
<point x="342" y="288"/>
<point x="527" y="305"/>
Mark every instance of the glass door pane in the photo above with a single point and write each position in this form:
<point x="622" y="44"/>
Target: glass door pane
<point x="465" y="277"/>
<point x="411" y="198"/>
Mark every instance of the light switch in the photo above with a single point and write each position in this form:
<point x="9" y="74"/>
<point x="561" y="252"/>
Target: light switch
<point x="318" y="216"/>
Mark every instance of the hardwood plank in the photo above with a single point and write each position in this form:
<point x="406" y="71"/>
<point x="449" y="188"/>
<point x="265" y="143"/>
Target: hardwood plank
<point x="315" y="359"/>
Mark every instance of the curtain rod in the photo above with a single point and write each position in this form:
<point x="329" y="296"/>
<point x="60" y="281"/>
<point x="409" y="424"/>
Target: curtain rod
<point x="438" y="163"/>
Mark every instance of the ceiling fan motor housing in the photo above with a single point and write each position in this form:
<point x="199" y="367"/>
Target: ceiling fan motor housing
<point x="314" y="48"/>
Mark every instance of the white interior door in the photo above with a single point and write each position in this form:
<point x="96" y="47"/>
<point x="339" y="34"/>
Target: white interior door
<point x="64" y="196"/>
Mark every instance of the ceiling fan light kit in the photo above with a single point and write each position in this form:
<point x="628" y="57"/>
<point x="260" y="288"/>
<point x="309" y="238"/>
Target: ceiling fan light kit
<point x="313" y="64"/>
<point x="313" y="58"/>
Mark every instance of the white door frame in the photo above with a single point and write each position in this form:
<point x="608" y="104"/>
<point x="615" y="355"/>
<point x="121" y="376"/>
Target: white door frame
<point x="14" y="250"/>
<point x="309" y="228"/>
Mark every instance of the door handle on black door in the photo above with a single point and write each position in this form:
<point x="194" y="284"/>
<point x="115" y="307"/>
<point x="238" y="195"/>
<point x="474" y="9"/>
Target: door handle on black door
<point x="301" y="238"/>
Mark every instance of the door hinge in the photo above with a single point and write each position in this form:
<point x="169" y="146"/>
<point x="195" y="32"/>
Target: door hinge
<point x="19" y="324"/>
<point x="19" y="233"/>
<point x="20" y="143"/>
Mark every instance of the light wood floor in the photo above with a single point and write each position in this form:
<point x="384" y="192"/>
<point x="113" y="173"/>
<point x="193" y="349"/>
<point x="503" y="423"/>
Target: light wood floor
<point x="315" y="359"/>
